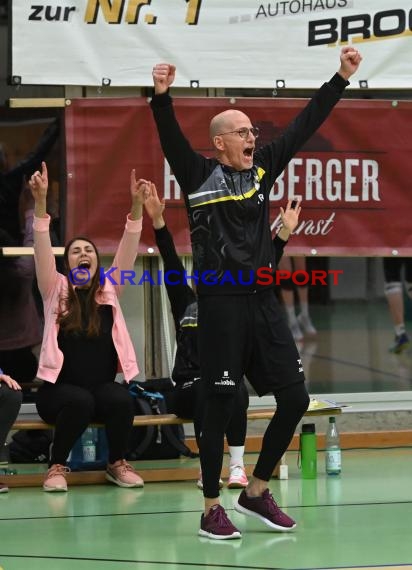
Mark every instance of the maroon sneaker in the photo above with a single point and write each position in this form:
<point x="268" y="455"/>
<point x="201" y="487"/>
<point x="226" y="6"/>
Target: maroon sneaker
<point x="265" y="509"/>
<point x="216" y="524"/>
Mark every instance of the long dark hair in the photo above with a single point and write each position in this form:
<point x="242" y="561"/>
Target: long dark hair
<point x="69" y="315"/>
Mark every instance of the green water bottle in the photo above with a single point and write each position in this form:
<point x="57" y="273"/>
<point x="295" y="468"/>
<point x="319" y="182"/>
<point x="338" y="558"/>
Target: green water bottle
<point x="308" y="451"/>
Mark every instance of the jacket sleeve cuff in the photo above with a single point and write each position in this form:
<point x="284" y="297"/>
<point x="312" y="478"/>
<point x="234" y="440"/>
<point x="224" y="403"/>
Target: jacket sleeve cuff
<point x="162" y="100"/>
<point x="338" y="83"/>
<point x="41" y="224"/>
<point x="134" y="226"/>
<point x="281" y="242"/>
<point x="161" y="231"/>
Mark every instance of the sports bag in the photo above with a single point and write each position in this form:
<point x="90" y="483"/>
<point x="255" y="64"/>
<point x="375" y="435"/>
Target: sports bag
<point x="156" y="441"/>
<point x="30" y="446"/>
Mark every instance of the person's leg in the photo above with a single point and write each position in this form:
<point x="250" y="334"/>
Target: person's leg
<point x="186" y="401"/>
<point x="275" y="367"/>
<point x="70" y="408"/>
<point x="10" y="402"/>
<point x="394" y="295"/>
<point x="287" y="289"/>
<point x="223" y="330"/>
<point x="236" y="436"/>
<point x="217" y="413"/>
<point x="407" y="264"/>
<point x="256" y="500"/>
<point x="291" y="404"/>
<point x="214" y="522"/>
<point x="304" y="320"/>
<point x="189" y="403"/>
<point x="115" y="408"/>
<point x="237" y="426"/>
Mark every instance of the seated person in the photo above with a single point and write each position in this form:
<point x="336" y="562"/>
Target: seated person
<point x="186" y="373"/>
<point x="85" y="339"/>
<point x="10" y="402"/>
<point x="22" y="327"/>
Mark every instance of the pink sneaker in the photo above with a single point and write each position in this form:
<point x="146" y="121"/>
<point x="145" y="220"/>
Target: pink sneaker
<point x="123" y="474"/>
<point x="237" y="477"/>
<point x="56" y="478"/>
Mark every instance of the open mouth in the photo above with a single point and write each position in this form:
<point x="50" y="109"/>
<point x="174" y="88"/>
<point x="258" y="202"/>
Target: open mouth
<point x="248" y="152"/>
<point x="84" y="264"/>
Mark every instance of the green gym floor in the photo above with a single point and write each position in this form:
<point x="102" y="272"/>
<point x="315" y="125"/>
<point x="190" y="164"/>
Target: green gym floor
<point x="361" y="519"/>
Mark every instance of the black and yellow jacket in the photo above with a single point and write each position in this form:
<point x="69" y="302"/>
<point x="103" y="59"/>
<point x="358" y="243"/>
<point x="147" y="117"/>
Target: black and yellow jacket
<point x="229" y="210"/>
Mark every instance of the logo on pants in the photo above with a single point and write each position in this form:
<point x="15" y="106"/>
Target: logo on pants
<point x="225" y="380"/>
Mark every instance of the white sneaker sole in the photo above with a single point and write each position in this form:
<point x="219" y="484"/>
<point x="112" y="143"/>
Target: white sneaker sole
<point x="55" y="489"/>
<point x="121" y="484"/>
<point x="237" y="485"/>
<point x="219" y="536"/>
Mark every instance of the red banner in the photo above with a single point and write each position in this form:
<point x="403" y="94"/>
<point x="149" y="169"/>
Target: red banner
<point x="354" y="174"/>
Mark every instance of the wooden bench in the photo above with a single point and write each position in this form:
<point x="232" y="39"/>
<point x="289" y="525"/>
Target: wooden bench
<point x="167" y="419"/>
<point x="182" y="469"/>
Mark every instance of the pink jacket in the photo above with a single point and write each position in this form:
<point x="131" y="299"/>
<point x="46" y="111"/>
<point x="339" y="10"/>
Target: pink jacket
<point x="53" y="284"/>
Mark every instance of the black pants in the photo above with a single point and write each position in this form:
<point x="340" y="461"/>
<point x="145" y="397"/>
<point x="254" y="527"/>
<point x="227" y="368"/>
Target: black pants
<point x="10" y="402"/>
<point x="20" y="364"/>
<point x="71" y="409"/>
<point x="247" y="335"/>
<point x="292" y="402"/>
<point x="189" y="402"/>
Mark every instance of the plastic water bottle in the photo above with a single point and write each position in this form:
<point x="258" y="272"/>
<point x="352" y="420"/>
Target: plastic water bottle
<point x="308" y="451"/>
<point x="89" y="445"/>
<point x="333" y="459"/>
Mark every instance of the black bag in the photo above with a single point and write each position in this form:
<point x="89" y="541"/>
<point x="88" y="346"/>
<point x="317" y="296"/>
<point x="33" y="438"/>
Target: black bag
<point x="30" y="446"/>
<point x="155" y="442"/>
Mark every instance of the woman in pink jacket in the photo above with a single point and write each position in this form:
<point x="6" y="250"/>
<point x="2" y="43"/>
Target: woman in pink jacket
<point x="85" y="341"/>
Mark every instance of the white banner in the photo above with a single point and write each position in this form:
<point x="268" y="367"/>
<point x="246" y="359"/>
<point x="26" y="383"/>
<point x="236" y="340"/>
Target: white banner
<point x="216" y="43"/>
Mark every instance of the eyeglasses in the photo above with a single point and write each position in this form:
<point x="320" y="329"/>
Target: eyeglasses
<point x="243" y="132"/>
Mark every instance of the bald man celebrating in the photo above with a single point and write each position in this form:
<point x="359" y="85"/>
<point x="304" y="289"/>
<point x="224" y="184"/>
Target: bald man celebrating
<point x="241" y="327"/>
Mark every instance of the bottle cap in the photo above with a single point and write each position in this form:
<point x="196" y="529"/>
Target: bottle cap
<point x="308" y="428"/>
<point x="332" y="420"/>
